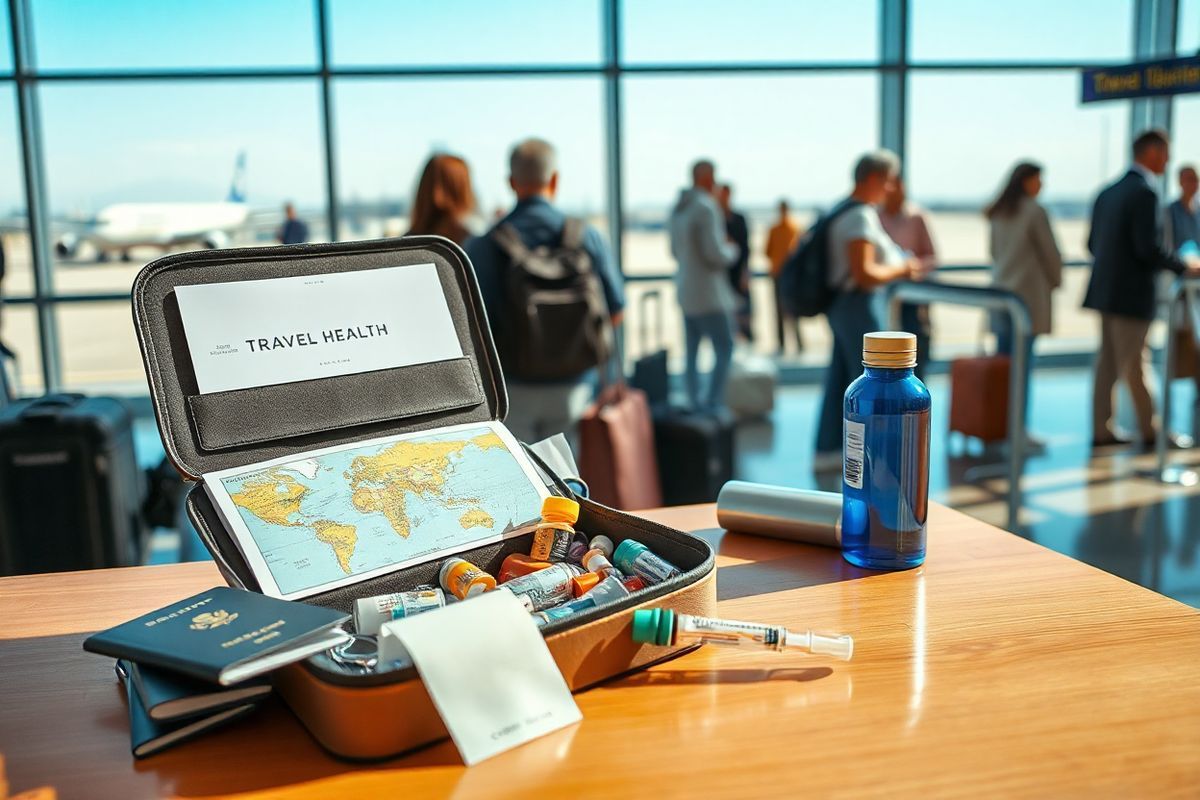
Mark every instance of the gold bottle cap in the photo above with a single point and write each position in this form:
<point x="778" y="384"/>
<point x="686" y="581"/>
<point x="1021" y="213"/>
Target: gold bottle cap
<point x="890" y="349"/>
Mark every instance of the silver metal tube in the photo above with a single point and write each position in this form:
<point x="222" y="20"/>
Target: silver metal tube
<point x="778" y="512"/>
<point x="1022" y="327"/>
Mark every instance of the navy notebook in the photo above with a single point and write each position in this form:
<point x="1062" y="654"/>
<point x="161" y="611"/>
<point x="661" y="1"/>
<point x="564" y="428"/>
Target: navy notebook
<point x="148" y="736"/>
<point x="169" y="695"/>
<point x="223" y="635"/>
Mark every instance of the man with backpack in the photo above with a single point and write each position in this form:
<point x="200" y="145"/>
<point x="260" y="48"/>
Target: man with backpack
<point x="553" y="297"/>
<point x="835" y="270"/>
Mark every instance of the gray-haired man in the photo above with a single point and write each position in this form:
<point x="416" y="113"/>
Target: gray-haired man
<point x="544" y="408"/>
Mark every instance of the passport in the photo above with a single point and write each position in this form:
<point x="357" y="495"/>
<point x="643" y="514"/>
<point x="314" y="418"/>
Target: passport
<point x="148" y="736"/>
<point x="169" y="695"/>
<point x="223" y="635"/>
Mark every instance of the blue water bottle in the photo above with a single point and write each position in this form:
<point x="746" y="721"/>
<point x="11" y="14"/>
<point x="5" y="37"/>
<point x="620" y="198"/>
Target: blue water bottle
<point x="885" y="467"/>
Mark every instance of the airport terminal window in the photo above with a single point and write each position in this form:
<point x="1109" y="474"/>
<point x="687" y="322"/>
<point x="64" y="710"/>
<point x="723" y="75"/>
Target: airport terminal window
<point x="18" y="331"/>
<point x="149" y="34"/>
<point x="1186" y="149"/>
<point x="763" y="132"/>
<point x="1188" y="28"/>
<point x="6" y="59"/>
<point x="1021" y="30"/>
<point x="957" y="168"/>
<point x="137" y="169"/>
<point x="387" y="129"/>
<point x="460" y="32"/>
<point x="98" y="348"/>
<point x="715" y="31"/>
<point x="967" y="130"/>
<point x="765" y="140"/>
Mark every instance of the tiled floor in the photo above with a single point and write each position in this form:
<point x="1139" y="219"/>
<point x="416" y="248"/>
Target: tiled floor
<point x="1106" y="510"/>
<point x="1103" y="510"/>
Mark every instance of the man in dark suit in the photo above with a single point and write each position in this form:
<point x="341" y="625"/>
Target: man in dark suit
<point x="1126" y="244"/>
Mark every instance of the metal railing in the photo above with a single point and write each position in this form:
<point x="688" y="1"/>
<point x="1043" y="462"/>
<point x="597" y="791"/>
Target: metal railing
<point x="1022" y="328"/>
<point x="1184" y="298"/>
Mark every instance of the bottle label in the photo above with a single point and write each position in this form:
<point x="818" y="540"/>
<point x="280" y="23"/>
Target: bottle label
<point x="852" y="454"/>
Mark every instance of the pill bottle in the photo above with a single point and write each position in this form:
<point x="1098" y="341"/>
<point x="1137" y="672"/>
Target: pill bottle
<point x="517" y="564"/>
<point x="553" y="535"/>
<point x="596" y="561"/>
<point x="546" y="587"/>
<point x="603" y="544"/>
<point x="371" y="612"/>
<point x="463" y="579"/>
<point x="885" y="457"/>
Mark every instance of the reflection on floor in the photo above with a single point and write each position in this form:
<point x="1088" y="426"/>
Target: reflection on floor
<point x="1104" y="510"/>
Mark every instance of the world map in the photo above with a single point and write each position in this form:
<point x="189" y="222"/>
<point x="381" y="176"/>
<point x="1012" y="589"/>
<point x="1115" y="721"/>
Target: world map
<point x="340" y="514"/>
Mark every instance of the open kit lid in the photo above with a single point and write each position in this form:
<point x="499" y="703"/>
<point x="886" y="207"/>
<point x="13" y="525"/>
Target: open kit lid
<point x="224" y="429"/>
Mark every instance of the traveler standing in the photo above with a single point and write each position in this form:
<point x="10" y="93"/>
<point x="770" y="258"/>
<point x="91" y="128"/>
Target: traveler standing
<point x="1025" y="259"/>
<point x="1181" y="224"/>
<point x="703" y="253"/>
<point x="444" y="201"/>
<point x="781" y="240"/>
<point x="1182" y="221"/>
<point x="909" y="228"/>
<point x="739" y="271"/>
<point x="1128" y="252"/>
<point x="550" y="342"/>
<point x="294" y="230"/>
<point x="861" y="257"/>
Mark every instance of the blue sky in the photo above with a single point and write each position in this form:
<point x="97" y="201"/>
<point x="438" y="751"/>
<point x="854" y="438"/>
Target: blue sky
<point x="771" y="135"/>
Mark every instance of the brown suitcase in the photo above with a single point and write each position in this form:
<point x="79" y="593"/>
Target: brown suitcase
<point x="979" y="397"/>
<point x="616" y="448"/>
<point x="376" y="716"/>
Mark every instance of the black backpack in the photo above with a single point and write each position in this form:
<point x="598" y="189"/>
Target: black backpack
<point x="556" y="323"/>
<point x="804" y="281"/>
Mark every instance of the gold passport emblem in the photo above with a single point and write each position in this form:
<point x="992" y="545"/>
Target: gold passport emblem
<point x="212" y="619"/>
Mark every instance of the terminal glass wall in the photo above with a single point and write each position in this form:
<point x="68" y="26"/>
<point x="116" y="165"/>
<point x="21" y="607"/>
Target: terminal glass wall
<point x="336" y="105"/>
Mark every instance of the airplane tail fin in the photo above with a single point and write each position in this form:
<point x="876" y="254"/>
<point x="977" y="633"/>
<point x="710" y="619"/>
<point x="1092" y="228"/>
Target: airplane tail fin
<point x="237" y="187"/>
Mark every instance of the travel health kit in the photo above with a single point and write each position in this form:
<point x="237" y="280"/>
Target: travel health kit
<point x="349" y="458"/>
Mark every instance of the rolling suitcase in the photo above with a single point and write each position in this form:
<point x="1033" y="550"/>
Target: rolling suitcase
<point x="650" y="371"/>
<point x="71" y="492"/>
<point x="696" y="454"/>
<point x="979" y="397"/>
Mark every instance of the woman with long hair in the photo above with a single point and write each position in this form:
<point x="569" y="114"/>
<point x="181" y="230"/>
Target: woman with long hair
<point x="444" y="200"/>
<point x="1025" y="257"/>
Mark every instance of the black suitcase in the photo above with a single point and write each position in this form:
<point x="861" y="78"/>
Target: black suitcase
<point x="71" y="492"/>
<point x="696" y="454"/>
<point x="650" y="371"/>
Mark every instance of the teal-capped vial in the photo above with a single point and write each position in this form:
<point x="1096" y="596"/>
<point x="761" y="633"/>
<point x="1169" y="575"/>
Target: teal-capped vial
<point x="634" y="558"/>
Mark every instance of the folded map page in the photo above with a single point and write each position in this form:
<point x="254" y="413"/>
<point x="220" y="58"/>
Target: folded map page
<point x="315" y="521"/>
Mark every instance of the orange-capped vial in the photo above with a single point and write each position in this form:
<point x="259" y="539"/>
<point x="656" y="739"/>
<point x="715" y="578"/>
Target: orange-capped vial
<point x="582" y="584"/>
<point x="595" y="561"/>
<point x="553" y="535"/>
<point x="518" y="564"/>
<point x="463" y="579"/>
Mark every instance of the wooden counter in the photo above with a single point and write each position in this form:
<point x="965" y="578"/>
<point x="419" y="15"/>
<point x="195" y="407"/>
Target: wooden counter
<point x="999" y="668"/>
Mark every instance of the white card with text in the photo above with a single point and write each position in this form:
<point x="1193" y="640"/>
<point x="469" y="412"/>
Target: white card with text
<point x="280" y="330"/>
<point x="489" y="673"/>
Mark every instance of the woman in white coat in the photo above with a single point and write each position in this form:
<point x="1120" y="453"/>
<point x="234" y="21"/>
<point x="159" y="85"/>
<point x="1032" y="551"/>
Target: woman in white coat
<point x="1025" y="256"/>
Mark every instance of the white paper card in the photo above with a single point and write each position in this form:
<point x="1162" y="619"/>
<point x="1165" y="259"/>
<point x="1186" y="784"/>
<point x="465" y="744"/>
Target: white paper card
<point x="265" y="332"/>
<point x="489" y="673"/>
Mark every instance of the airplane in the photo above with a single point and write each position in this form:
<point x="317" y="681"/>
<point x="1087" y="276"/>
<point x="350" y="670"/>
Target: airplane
<point x="122" y="226"/>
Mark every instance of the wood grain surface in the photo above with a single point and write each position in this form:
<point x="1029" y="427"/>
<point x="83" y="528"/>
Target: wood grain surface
<point x="999" y="668"/>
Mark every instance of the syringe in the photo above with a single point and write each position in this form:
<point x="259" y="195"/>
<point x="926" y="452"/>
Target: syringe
<point x="662" y="626"/>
